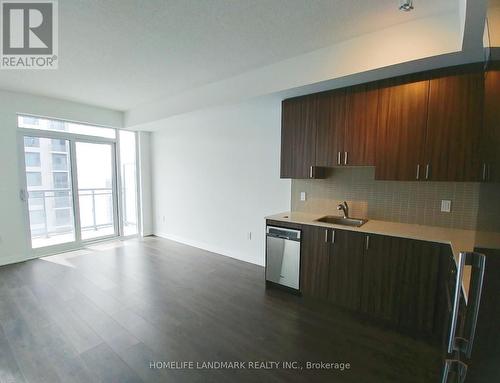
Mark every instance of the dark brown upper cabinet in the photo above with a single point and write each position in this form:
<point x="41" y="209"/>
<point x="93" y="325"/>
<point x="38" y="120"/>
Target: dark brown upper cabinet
<point x="433" y="126"/>
<point x="402" y="121"/>
<point x="491" y="137"/>
<point x="331" y="127"/>
<point x="454" y="125"/>
<point x="298" y="137"/>
<point x="360" y="125"/>
<point x="347" y="125"/>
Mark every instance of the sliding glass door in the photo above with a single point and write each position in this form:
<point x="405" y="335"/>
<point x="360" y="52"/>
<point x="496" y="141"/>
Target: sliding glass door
<point x="96" y="189"/>
<point x="80" y="182"/>
<point x="49" y="191"/>
<point x="70" y="193"/>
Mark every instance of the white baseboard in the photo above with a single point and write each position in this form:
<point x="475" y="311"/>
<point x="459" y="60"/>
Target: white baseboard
<point x="207" y="247"/>
<point x="12" y="260"/>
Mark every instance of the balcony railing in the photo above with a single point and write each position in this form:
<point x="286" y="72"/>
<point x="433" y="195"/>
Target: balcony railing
<point x="45" y="204"/>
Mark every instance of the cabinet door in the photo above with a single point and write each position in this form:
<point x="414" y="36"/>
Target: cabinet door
<point x="298" y="136"/>
<point x="361" y="125"/>
<point x="380" y="296"/>
<point x="491" y="136"/>
<point x="454" y="127"/>
<point x="315" y="262"/>
<point x="346" y="268"/>
<point x="400" y="282"/>
<point x="331" y="127"/>
<point x="418" y="285"/>
<point x="401" y="130"/>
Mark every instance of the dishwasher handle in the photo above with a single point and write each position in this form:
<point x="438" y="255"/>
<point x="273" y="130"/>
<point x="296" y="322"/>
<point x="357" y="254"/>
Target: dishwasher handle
<point x="278" y="236"/>
<point x="283" y="233"/>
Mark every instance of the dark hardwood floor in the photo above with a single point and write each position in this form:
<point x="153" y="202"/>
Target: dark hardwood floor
<point x="104" y="313"/>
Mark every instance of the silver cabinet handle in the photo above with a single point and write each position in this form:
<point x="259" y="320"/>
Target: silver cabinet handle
<point x="485" y="172"/>
<point x="418" y="172"/>
<point x="310" y="172"/>
<point x="333" y="236"/>
<point x="346" y="154"/>
<point x="326" y="235"/>
<point x="427" y="171"/>
<point x="339" y="158"/>
<point x="367" y="242"/>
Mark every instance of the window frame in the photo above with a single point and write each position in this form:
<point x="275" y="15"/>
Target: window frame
<point x="73" y="137"/>
<point x="63" y="121"/>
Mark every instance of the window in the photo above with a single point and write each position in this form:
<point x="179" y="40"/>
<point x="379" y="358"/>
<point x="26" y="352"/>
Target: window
<point x="31" y="142"/>
<point x="60" y="180"/>
<point x="59" y="162"/>
<point x="37" y="217"/>
<point x="34" y="178"/>
<point x="55" y="125"/>
<point x="63" y="217"/>
<point x="29" y="122"/>
<point x="62" y="199"/>
<point x="32" y="159"/>
<point x="128" y="182"/>
<point x="59" y="145"/>
<point x="35" y="200"/>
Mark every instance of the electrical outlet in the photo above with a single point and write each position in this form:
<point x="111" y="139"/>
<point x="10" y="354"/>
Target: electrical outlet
<point x="446" y="206"/>
<point x="302" y="196"/>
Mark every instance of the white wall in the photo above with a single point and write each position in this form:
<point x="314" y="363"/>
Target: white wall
<point x="13" y="244"/>
<point x="216" y="175"/>
<point x="409" y="42"/>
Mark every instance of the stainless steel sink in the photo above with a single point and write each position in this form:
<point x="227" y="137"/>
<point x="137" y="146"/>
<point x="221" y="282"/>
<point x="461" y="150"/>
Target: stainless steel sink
<point x="356" y="222"/>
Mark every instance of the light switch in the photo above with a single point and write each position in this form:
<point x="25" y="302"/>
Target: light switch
<point x="302" y="196"/>
<point x="446" y="206"/>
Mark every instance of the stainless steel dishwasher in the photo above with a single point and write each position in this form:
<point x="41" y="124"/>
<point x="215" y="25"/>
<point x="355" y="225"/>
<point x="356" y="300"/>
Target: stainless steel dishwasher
<point x="283" y="256"/>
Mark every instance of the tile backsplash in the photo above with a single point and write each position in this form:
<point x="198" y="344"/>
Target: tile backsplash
<point x="410" y="202"/>
<point x="488" y="218"/>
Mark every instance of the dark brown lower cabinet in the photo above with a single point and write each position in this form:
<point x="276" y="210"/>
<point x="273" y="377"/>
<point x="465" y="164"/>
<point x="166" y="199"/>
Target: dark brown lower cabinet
<point x="332" y="265"/>
<point x="314" y="262"/>
<point x="346" y="268"/>
<point x="400" y="282"/>
<point x="380" y="295"/>
<point x="418" y="286"/>
<point x="397" y="281"/>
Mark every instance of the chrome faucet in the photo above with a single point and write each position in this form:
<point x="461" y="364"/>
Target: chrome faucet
<point x="345" y="209"/>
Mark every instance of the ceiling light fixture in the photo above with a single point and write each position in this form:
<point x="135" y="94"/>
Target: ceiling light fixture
<point x="406" y="5"/>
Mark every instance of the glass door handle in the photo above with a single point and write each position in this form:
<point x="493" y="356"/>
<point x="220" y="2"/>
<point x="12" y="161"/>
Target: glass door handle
<point x="23" y="195"/>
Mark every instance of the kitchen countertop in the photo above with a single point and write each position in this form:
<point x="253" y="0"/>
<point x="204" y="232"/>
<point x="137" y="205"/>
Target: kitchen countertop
<point x="460" y="240"/>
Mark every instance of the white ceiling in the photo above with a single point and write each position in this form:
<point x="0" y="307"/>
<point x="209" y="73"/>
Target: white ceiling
<point x="124" y="53"/>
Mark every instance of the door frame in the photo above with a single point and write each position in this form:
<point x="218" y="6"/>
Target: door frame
<point x="115" y="192"/>
<point x="72" y="138"/>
